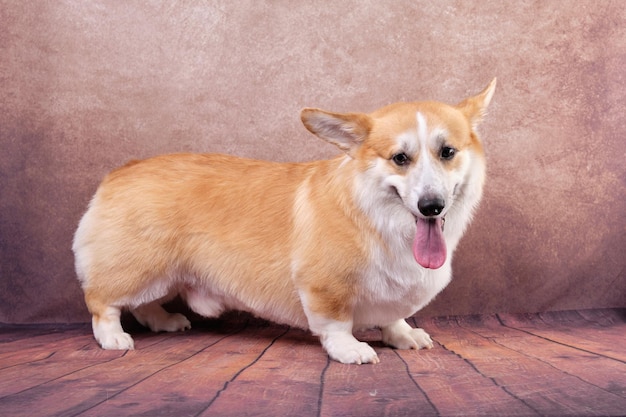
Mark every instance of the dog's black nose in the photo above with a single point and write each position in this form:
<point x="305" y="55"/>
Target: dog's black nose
<point x="431" y="206"/>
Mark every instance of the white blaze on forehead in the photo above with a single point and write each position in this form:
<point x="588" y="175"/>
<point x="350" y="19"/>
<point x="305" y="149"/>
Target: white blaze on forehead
<point x="423" y="139"/>
<point x="412" y="144"/>
<point x="422" y="129"/>
<point x="433" y="137"/>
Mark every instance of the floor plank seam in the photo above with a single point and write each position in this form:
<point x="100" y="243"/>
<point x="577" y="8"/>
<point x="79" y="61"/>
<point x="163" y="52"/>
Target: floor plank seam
<point x="238" y="373"/>
<point x="493" y="380"/>
<point x="320" y="398"/>
<point x="523" y="353"/>
<point x="420" y="389"/>
<point x="63" y="376"/>
<point x="560" y="370"/>
<point x="561" y="343"/>
<point x="28" y="362"/>
<point x="160" y="370"/>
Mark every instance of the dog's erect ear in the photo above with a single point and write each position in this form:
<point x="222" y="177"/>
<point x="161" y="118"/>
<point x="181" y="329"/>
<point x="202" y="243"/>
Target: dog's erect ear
<point x="347" y="131"/>
<point x="474" y="108"/>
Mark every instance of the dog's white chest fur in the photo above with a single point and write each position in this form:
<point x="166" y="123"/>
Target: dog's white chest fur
<point x="397" y="291"/>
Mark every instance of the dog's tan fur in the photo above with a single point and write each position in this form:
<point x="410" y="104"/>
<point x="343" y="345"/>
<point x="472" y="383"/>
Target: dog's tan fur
<point x="324" y="245"/>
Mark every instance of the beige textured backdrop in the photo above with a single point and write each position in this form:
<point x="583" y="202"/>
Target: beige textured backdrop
<point x="87" y="85"/>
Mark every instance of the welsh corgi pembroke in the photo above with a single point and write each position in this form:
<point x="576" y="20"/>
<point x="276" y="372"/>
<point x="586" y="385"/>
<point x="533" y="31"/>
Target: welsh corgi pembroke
<point x="363" y="240"/>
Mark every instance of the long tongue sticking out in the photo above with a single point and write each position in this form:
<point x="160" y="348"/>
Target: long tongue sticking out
<point x="429" y="246"/>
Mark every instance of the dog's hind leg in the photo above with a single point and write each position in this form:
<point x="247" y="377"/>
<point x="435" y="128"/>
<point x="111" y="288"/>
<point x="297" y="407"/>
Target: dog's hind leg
<point x="106" y="325"/>
<point x="154" y="316"/>
<point x="203" y="302"/>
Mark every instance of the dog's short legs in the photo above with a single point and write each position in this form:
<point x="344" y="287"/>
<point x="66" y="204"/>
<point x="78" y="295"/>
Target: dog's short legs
<point x="345" y="348"/>
<point x="108" y="331"/>
<point x="107" y="328"/>
<point x="336" y="335"/>
<point x="401" y="335"/>
<point x="203" y="303"/>
<point x="339" y="343"/>
<point x="153" y="316"/>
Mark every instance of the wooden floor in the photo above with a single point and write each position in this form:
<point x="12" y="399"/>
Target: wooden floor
<point x="553" y="364"/>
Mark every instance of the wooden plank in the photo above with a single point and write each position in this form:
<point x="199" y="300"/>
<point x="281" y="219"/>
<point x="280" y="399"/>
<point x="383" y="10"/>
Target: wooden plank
<point x="59" y="359"/>
<point x="45" y="359"/>
<point x="454" y="385"/>
<point x="541" y="386"/>
<point x="384" y="389"/>
<point x="21" y="337"/>
<point x="601" y="332"/>
<point x="92" y="384"/>
<point x="599" y="370"/>
<point x="28" y="355"/>
<point x="191" y="384"/>
<point x="285" y="381"/>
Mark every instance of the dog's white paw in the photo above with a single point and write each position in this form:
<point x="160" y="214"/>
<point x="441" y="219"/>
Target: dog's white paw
<point x="116" y="341"/>
<point x="422" y="339"/>
<point x="337" y="338"/>
<point x="108" y="331"/>
<point x="169" y="323"/>
<point x="345" y="348"/>
<point x="154" y="317"/>
<point x="402" y="336"/>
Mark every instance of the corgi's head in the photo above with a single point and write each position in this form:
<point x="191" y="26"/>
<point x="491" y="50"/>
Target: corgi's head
<point x="424" y="156"/>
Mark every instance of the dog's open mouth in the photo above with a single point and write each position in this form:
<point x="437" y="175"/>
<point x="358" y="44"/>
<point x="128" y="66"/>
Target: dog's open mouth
<point x="429" y="245"/>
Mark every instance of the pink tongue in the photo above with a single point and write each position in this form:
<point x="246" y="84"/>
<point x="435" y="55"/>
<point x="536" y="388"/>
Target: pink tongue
<point x="429" y="247"/>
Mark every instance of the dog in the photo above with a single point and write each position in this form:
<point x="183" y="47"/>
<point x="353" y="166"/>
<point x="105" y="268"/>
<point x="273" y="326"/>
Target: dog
<point x="363" y="240"/>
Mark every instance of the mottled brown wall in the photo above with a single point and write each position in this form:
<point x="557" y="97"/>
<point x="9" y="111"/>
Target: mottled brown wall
<point x="85" y="86"/>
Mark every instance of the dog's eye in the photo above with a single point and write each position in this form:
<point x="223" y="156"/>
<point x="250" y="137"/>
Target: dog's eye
<point x="401" y="159"/>
<point x="447" y="153"/>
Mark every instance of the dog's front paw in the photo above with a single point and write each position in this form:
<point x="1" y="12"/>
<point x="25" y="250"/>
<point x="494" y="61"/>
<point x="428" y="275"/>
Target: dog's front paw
<point x="116" y="341"/>
<point x="402" y="336"/>
<point x="422" y="339"/>
<point x="345" y="348"/>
